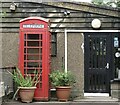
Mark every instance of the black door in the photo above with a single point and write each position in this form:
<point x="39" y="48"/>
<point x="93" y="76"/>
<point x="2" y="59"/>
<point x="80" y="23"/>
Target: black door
<point x="97" y="62"/>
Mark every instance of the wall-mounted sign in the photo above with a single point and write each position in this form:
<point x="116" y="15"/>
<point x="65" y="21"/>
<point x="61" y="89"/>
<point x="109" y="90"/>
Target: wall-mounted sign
<point x="117" y="54"/>
<point x="116" y="42"/>
<point x="33" y="26"/>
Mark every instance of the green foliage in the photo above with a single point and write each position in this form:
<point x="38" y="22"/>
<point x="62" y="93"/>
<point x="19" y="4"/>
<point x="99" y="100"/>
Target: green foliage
<point x="60" y="78"/>
<point x="98" y="2"/>
<point x="3" y="14"/>
<point x="115" y="3"/>
<point x="27" y="81"/>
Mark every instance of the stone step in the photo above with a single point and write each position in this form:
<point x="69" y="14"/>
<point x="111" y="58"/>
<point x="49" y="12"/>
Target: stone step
<point x="91" y="100"/>
<point x="63" y="103"/>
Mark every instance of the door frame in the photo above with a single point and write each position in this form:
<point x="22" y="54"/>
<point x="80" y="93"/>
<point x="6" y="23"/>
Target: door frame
<point x="81" y="31"/>
<point x="66" y="31"/>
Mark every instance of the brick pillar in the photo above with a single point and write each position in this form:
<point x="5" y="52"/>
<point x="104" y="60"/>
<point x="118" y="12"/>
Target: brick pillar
<point x="115" y="88"/>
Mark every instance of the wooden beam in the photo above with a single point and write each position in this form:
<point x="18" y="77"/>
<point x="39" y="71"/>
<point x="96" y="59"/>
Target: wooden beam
<point x="108" y="11"/>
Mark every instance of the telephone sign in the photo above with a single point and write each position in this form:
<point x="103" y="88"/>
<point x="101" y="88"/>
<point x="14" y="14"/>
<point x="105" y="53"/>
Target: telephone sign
<point x="33" y="26"/>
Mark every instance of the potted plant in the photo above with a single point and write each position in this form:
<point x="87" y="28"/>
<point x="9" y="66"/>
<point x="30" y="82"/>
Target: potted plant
<point x="63" y="83"/>
<point x="26" y="85"/>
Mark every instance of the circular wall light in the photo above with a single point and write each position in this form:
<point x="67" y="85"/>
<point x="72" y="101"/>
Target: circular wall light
<point x="96" y="23"/>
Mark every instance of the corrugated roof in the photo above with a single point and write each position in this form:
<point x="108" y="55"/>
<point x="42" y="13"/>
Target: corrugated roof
<point x="80" y="6"/>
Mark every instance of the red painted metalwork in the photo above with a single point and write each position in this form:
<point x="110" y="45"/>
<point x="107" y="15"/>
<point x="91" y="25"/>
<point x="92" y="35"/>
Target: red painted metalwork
<point x="34" y="52"/>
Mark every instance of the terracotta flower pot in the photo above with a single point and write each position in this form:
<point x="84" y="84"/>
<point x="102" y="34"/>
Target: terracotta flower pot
<point x="63" y="93"/>
<point x="26" y="93"/>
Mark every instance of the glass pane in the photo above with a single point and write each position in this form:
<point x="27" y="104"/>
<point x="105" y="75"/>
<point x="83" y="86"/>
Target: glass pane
<point x="54" y="44"/>
<point x="29" y="57"/>
<point x="33" y="43"/>
<point x="34" y="51"/>
<point x="33" y="36"/>
<point x="33" y="64"/>
<point x="54" y="49"/>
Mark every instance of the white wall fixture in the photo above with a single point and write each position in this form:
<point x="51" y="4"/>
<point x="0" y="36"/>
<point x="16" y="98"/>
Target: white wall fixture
<point x="96" y="23"/>
<point x="66" y="13"/>
<point x="82" y="46"/>
<point x="13" y="6"/>
<point x="2" y="90"/>
<point x="117" y="54"/>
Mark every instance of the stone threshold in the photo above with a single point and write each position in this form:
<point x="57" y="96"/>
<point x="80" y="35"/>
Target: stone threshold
<point x="96" y="94"/>
<point x="98" y="99"/>
<point x="63" y="103"/>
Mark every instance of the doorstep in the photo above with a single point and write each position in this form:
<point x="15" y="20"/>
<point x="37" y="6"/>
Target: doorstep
<point x="97" y="94"/>
<point x="97" y="99"/>
<point x="63" y="103"/>
<point x="100" y="100"/>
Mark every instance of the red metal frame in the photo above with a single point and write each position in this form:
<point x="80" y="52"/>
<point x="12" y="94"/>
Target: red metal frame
<point x="34" y="52"/>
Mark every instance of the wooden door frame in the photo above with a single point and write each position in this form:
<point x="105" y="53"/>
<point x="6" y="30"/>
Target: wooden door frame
<point x="80" y="31"/>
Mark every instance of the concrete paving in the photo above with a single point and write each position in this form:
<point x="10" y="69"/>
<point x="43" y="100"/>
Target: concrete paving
<point x="63" y="103"/>
<point x="84" y="101"/>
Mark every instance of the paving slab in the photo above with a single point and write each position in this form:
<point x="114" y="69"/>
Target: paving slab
<point x="62" y="103"/>
<point x="78" y="101"/>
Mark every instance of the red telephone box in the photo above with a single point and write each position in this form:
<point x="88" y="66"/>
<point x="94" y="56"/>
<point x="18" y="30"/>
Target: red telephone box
<point x="34" y="52"/>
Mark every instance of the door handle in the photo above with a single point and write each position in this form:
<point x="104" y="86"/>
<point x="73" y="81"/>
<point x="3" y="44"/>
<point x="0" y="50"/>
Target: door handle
<point x="107" y="66"/>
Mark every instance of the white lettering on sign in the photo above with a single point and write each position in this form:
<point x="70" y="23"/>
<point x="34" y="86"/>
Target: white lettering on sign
<point x="33" y="26"/>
